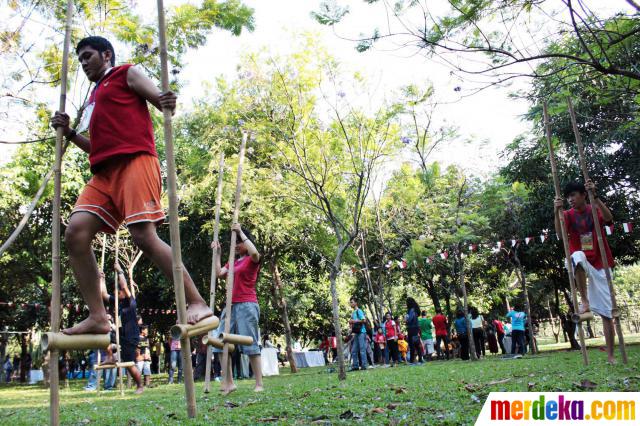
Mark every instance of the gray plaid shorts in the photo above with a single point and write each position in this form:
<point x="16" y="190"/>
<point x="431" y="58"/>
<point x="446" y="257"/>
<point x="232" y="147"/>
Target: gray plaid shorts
<point x="245" y="318"/>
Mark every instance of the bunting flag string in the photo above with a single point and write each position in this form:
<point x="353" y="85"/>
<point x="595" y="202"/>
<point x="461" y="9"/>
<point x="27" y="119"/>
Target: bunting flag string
<point x="627" y="228"/>
<point x="78" y="308"/>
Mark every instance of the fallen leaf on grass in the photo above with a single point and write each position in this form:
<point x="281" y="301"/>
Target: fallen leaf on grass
<point x="230" y="404"/>
<point x="392" y="406"/>
<point x="320" y="418"/>
<point x="530" y="385"/>
<point x="399" y="389"/>
<point x="377" y="410"/>
<point x="268" y="419"/>
<point x="306" y="394"/>
<point x="498" y="382"/>
<point x="475" y="398"/>
<point x="346" y="415"/>
<point x="471" y="387"/>
<point x="587" y="384"/>
<point x="171" y="415"/>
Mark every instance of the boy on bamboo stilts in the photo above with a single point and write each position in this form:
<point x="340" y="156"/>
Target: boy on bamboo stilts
<point x="245" y="311"/>
<point x="126" y="182"/>
<point x="585" y="254"/>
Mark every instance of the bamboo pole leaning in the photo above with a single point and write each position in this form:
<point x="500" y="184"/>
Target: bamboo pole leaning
<point x="565" y="238"/>
<point x="214" y="272"/>
<point x="615" y="314"/>
<point x="54" y="379"/>
<point x="174" y="226"/>
<point x="226" y="365"/>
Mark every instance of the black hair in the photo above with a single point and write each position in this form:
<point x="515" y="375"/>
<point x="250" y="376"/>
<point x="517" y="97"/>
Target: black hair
<point x="424" y="313"/>
<point x="248" y="234"/>
<point x="98" y="43"/>
<point x="474" y="312"/>
<point x="574" y="186"/>
<point x="353" y="299"/>
<point x="438" y="310"/>
<point x="459" y="314"/>
<point x="412" y="304"/>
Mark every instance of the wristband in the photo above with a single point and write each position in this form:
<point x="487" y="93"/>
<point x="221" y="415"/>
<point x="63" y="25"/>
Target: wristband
<point x="72" y="134"/>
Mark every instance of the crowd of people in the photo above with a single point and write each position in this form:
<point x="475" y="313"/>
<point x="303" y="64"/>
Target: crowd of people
<point x="420" y="337"/>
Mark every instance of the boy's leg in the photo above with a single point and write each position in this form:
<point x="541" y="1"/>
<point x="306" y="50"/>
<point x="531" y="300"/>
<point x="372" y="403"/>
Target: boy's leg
<point x="581" y="283"/>
<point x="609" y="330"/>
<point x="256" y="367"/>
<point x="82" y="228"/>
<point x="145" y="237"/>
<point x="135" y="373"/>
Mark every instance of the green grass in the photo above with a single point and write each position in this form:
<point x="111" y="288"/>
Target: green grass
<point x="436" y="393"/>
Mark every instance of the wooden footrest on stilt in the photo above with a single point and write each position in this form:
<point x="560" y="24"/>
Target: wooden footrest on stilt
<point x="237" y="339"/>
<point x="115" y="365"/>
<point x="578" y="318"/>
<point x="60" y="341"/>
<point x="182" y="331"/>
<point x="217" y="343"/>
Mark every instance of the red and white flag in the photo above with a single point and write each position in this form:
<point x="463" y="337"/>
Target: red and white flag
<point x="428" y="260"/>
<point x="628" y="227"/>
<point x="513" y="243"/>
<point x="608" y="229"/>
<point x="542" y="238"/>
<point x="499" y="244"/>
<point x="402" y="263"/>
<point x="527" y="239"/>
<point x="444" y="255"/>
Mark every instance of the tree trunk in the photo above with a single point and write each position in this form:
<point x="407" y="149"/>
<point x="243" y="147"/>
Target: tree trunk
<point x="23" y="356"/>
<point x="527" y="306"/>
<point x="333" y="276"/>
<point x="282" y="305"/>
<point x="433" y="293"/>
<point x="472" y="346"/>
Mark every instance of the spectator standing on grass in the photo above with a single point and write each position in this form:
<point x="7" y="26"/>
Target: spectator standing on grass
<point x="517" y="329"/>
<point x="462" y="332"/>
<point x="380" y="345"/>
<point x="442" y="334"/>
<point x="8" y="368"/>
<point x="500" y="333"/>
<point x="359" y="341"/>
<point x="413" y="328"/>
<point x="426" y="334"/>
<point x="403" y="348"/>
<point x="176" y="360"/>
<point x="477" y="327"/>
<point x="391" y="332"/>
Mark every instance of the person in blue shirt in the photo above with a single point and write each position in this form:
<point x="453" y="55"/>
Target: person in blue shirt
<point x="460" y="324"/>
<point x="359" y="331"/>
<point x="517" y="329"/>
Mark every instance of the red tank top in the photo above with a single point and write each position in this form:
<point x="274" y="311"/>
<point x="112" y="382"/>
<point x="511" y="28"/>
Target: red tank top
<point x="120" y="122"/>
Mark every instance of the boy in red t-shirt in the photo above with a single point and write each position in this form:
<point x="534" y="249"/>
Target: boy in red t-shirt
<point x="126" y="182"/>
<point x="585" y="253"/>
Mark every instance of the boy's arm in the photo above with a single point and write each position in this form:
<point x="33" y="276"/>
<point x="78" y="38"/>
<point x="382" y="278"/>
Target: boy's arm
<point x="61" y="119"/>
<point x="143" y="86"/>
<point x="607" y="216"/>
<point x="558" y="203"/>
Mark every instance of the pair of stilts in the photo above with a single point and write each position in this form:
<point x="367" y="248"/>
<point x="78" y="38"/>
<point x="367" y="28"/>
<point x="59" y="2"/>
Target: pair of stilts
<point x="55" y="341"/>
<point x="578" y="317"/>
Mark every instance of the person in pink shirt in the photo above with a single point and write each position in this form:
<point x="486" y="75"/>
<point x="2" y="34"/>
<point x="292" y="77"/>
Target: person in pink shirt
<point x="175" y="360"/>
<point x="245" y="311"/>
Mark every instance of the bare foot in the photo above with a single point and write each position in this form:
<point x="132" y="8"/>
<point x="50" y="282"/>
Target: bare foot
<point x="258" y="388"/>
<point x="197" y="312"/>
<point x="89" y="326"/>
<point x="139" y="390"/>
<point x="226" y="391"/>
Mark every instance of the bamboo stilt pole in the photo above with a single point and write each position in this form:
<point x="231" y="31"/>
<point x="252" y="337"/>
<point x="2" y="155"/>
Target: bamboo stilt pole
<point x="54" y="379"/>
<point x="60" y="341"/>
<point x="116" y="309"/>
<point x="214" y="272"/>
<point x="237" y="339"/>
<point x="182" y="331"/>
<point x="231" y="268"/>
<point x="174" y="226"/>
<point x="216" y="343"/>
<point x="596" y="224"/>
<point x="565" y="238"/>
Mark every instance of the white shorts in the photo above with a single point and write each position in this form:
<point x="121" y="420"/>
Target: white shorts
<point x="144" y="367"/>
<point x="598" y="288"/>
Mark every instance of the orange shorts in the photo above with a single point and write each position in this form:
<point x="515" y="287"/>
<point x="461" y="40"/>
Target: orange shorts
<point x="127" y="190"/>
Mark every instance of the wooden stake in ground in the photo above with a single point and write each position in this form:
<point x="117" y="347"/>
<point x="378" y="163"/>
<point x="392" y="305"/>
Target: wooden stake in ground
<point x="226" y="365"/>
<point x="596" y="224"/>
<point x="174" y="227"/>
<point x="99" y="352"/>
<point x="54" y="379"/>
<point x="565" y="238"/>
<point x="214" y="273"/>
<point x="116" y="312"/>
